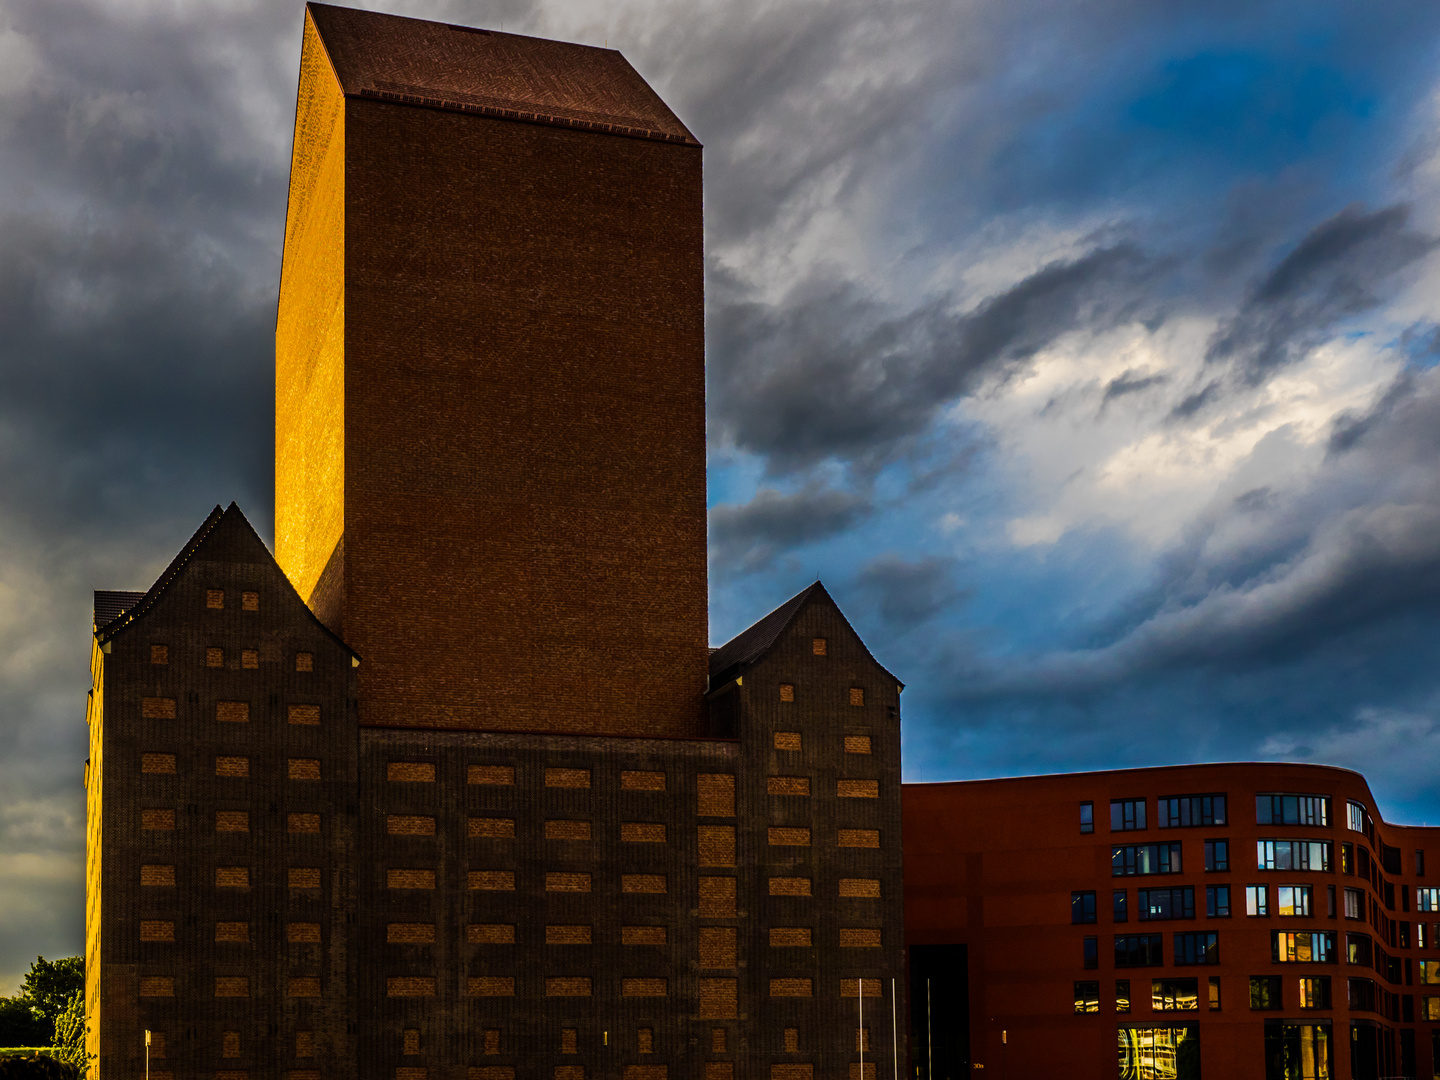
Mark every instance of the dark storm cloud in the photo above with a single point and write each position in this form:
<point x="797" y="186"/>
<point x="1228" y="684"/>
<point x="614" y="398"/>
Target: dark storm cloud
<point x="907" y="592"/>
<point x="749" y="537"/>
<point x="831" y="373"/>
<point x="1334" y="273"/>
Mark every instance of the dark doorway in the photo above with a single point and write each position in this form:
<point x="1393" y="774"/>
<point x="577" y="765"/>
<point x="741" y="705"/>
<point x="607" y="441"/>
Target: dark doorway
<point x="940" y="1012"/>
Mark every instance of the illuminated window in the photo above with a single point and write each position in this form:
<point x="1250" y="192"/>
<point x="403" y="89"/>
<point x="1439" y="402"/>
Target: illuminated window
<point x="1292" y="855"/>
<point x="1293" y="810"/>
<point x="1214" y="993"/>
<point x="1127" y="814"/>
<point x="1347" y="858"/>
<point x="1302" y="947"/>
<point x="1425" y="899"/>
<point x="1174" y="995"/>
<point x="857" y="695"/>
<point x="1306" y="1050"/>
<point x="1257" y="900"/>
<point x="1354" y="904"/>
<point x="1430" y="1008"/>
<point x="1087" y="997"/>
<point x="1292" y="900"/>
<point x="1265" y="992"/>
<point x="1355" y="817"/>
<point x="818" y="646"/>
<point x="1359" y="950"/>
<point x="1122" y="995"/>
<point x="1315" y="991"/>
<point x="1082" y="907"/>
<point x="1157" y="1053"/>
<point x="1429" y="973"/>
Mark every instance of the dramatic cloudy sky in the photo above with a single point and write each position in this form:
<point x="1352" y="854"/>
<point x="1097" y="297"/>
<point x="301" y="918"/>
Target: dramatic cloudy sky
<point x="1088" y="351"/>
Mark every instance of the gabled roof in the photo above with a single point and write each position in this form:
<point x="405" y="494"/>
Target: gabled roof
<point x="750" y="646"/>
<point x="418" y="62"/>
<point x="225" y="534"/>
<point x="110" y="604"/>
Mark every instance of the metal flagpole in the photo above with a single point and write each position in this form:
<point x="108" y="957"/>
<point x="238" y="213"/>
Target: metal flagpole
<point x="929" y="1042"/>
<point x="147" y="1054"/>
<point x="894" y="1029"/>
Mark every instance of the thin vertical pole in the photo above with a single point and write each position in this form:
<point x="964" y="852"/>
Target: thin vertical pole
<point x="894" y="1029"/>
<point x="860" y="1038"/>
<point x="929" y="1042"/>
<point x="147" y="1054"/>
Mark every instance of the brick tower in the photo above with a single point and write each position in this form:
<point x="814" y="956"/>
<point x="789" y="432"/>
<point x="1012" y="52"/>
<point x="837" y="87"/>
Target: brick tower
<point x="490" y="412"/>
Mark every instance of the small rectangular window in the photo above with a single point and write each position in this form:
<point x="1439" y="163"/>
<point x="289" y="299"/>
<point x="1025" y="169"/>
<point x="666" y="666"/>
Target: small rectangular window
<point x="1315" y="991"/>
<point x="159" y="654"/>
<point x="1419" y="863"/>
<point x="1139" y="950"/>
<point x="1302" y="947"/>
<point x="215" y="599"/>
<point x="1164" y="904"/>
<point x="1217" y="855"/>
<point x="249" y="659"/>
<point x="1214" y="993"/>
<point x="1130" y="860"/>
<point x="1293" y="900"/>
<point x="1355" y="817"/>
<point x="1265" y="993"/>
<point x="1122" y="995"/>
<point x="157" y="763"/>
<point x="249" y="601"/>
<point x="1257" y="900"/>
<point x="304" y="661"/>
<point x="1175" y="995"/>
<point x="787" y="740"/>
<point x="1091" y="955"/>
<point x="1127" y="815"/>
<point x="787" y="691"/>
<point x="1082" y="907"/>
<point x="818" y="646"/>
<point x="1197" y="948"/>
<point x="1119" y="907"/>
<point x="1347" y="858"/>
<point x="1293" y="855"/>
<point x="1284" y="809"/>
<point x="1425" y="900"/>
<point x="1087" y="817"/>
<point x="857" y="744"/>
<point x="1217" y="901"/>
<point x="214" y="657"/>
<point x="1190" y="811"/>
<point x="1087" y="997"/>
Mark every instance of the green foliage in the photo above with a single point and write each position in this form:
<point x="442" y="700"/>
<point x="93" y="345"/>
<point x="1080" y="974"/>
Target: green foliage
<point x="50" y="984"/>
<point x="36" y="1067"/>
<point x="21" y="1024"/>
<point x="70" y="1029"/>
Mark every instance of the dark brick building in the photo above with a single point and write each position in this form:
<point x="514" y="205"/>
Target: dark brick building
<point x="451" y="787"/>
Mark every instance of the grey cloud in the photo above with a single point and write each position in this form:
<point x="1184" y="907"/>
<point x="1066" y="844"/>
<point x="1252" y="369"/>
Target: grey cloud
<point x="1331" y="275"/>
<point x="833" y="374"/>
<point x="1127" y="382"/>
<point x="749" y="537"/>
<point x="908" y="592"/>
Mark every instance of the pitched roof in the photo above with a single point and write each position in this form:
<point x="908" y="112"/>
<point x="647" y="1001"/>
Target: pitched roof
<point x="228" y="535"/>
<point x="462" y="68"/>
<point x="110" y="604"/>
<point x="748" y="646"/>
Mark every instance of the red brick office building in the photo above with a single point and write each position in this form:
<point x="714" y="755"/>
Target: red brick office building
<point x="1239" y="921"/>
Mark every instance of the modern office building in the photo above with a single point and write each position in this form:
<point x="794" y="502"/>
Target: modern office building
<point x="450" y="787"/>
<point x="1239" y="921"/>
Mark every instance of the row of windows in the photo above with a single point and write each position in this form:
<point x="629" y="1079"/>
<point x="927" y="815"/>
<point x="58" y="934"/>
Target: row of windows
<point x="857" y="693"/>
<point x="215" y="658"/>
<point x="1179" y="902"/>
<point x="717" y="894"/>
<point x="1266" y="995"/>
<point x="215" y="600"/>
<point x="1148" y="950"/>
<point x="717" y="943"/>
<point x="1137" y="860"/>
<point x="228" y="712"/>
<point x="232" y="766"/>
<point x="163" y="819"/>
<point x="306" y="986"/>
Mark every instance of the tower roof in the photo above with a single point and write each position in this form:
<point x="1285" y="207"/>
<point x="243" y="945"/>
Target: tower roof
<point x="418" y="62"/>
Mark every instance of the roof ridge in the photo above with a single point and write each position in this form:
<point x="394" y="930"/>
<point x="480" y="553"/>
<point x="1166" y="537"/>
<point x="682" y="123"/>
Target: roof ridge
<point x="166" y="576"/>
